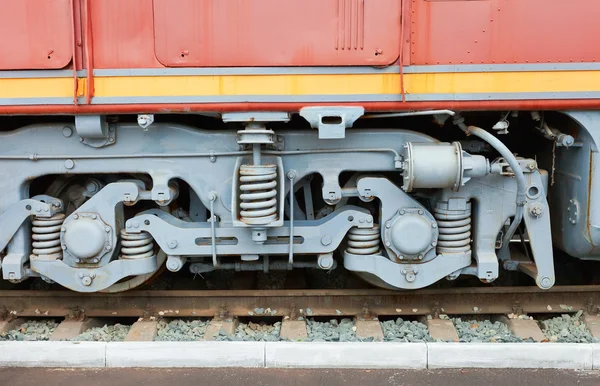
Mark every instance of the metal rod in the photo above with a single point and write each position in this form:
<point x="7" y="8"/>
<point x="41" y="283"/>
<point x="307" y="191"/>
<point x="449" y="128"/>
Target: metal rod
<point x="212" y="196"/>
<point x="256" y="159"/>
<point x="291" y="175"/>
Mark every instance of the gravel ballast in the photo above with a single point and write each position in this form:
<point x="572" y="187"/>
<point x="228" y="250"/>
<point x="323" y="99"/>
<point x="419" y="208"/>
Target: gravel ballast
<point x="333" y="331"/>
<point x="254" y="332"/>
<point x="567" y="329"/>
<point x="400" y="330"/>
<point x="31" y="331"/>
<point x="181" y="330"/>
<point x="115" y="333"/>
<point x="479" y="331"/>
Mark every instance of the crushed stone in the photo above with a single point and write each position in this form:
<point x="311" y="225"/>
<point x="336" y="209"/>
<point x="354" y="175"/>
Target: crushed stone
<point x="31" y="331"/>
<point x="567" y="329"/>
<point x="333" y="331"/>
<point x="484" y="331"/>
<point x="179" y="330"/>
<point x="253" y="332"/>
<point x="400" y="330"/>
<point x="115" y="333"/>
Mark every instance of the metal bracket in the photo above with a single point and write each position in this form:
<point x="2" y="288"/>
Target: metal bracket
<point x="256" y="116"/>
<point x="94" y="131"/>
<point x="331" y="122"/>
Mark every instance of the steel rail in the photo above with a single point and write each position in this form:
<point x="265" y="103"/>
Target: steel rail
<point x="489" y="300"/>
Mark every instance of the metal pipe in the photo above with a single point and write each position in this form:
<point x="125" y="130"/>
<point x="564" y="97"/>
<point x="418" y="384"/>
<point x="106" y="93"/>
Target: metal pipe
<point x="37" y="157"/>
<point x="410" y="114"/>
<point x="515" y="166"/>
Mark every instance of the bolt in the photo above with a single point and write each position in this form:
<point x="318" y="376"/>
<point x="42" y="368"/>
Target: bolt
<point x="94" y="260"/>
<point x="64" y="247"/>
<point x="369" y="219"/>
<point x="361" y="220"/>
<point x="75" y="216"/>
<point x="433" y="244"/>
<point x="86" y="281"/>
<point x="107" y="229"/>
<point x="420" y="211"/>
<point x="535" y="211"/>
<point x="387" y="244"/>
<point x="67" y="132"/>
<point x="108" y="248"/>
<point x="434" y="225"/>
<point x="136" y="224"/>
<point x="420" y="257"/>
<point x="69" y="164"/>
<point x="402" y="212"/>
<point x="388" y="224"/>
<point x="77" y="261"/>
<point x="172" y="244"/>
<point x="546" y="282"/>
<point x="401" y="257"/>
<point x="81" y="275"/>
<point x="111" y="140"/>
<point x="94" y="216"/>
<point x="326" y="240"/>
<point x="46" y="209"/>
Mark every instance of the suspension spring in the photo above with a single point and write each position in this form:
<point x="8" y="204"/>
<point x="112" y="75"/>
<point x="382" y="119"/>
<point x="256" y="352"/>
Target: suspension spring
<point x="136" y="245"/>
<point x="364" y="241"/>
<point x="455" y="230"/>
<point x="46" y="237"/>
<point x="258" y="195"/>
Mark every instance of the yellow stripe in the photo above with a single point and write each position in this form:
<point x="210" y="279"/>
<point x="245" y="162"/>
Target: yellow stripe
<point x="226" y="85"/>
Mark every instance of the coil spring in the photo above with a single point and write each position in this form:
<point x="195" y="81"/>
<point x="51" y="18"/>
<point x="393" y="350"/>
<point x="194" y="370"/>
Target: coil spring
<point x="258" y="194"/>
<point x="136" y="245"/>
<point x="455" y="230"/>
<point x="46" y="237"/>
<point x="364" y="241"/>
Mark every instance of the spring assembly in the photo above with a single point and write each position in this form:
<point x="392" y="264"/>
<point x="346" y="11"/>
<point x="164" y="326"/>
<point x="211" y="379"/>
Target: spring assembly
<point x="258" y="194"/>
<point x="364" y="241"/>
<point x="136" y="245"/>
<point x="455" y="230"/>
<point x="46" y="237"/>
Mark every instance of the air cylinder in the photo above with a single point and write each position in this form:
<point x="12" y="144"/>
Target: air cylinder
<point x="440" y="165"/>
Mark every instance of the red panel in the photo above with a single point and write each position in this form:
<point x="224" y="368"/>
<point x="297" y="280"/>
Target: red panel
<point x="35" y="34"/>
<point x="277" y="32"/>
<point x="505" y="31"/>
<point x="123" y="34"/>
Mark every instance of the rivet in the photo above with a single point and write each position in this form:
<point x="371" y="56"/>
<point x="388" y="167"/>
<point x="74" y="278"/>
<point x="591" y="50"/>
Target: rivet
<point x="387" y="243"/>
<point x="69" y="164"/>
<point x="67" y="132"/>
<point x="75" y="216"/>
<point x="388" y="224"/>
<point x="94" y="217"/>
<point x="108" y="247"/>
<point x="107" y="229"/>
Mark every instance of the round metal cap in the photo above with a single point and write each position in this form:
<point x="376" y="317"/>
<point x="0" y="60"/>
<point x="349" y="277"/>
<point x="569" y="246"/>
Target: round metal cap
<point x="84" y="238"/>
<point x="411" y="234"/>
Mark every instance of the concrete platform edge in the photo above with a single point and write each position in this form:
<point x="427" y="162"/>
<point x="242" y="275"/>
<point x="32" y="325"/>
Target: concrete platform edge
<point x="579" y="356"/>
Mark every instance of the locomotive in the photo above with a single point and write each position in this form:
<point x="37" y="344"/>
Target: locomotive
<point x="406" y="141"/>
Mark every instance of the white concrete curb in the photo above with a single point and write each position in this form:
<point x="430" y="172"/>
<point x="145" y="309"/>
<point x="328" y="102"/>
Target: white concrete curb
<point x="300" y="355"/>
<point x="510" y="355"/>
<point x="346" y="355"/>
<point x="52" y="354"/>
<point x="185" y="354"/>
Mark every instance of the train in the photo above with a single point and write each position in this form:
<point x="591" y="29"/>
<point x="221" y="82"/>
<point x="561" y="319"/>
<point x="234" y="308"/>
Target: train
<point x="408" y="142"/>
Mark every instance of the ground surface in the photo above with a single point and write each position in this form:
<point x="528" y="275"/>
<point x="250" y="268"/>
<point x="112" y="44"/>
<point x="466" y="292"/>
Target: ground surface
<point x="268" y="377"/>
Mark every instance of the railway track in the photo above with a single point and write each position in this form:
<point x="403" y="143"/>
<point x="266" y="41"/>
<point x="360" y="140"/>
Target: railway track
<point x="459" y="301"/>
